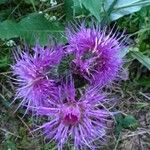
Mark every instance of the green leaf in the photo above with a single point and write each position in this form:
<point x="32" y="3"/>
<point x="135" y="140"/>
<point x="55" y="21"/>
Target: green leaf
<point x="94" y="6"/>
<point x="78" y="9"/>
<point x="5" y="13"/>
<point x="37" y="26"/>
<point x="8" y="29"/>
<point x="127" y="122"/>
<point x="130" y="122"/>
<point x="113" y="9"/>
<point x="30" y="28"/>
<point x="68" y="4"/>
<point x="124" y="7"/>
<point x="145" y="60"/>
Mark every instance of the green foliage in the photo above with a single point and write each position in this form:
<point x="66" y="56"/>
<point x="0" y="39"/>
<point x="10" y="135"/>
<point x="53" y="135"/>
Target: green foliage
<point x="30" y="28"/>
<point x="127" y="122"/>
<point x="138" y="25"/>
<point x="125" y="7"/>
<point x="4" y="59"/>
<point x="104" y="9"/>
<point x="4" y="13"/>
<point x="4" y="62"/>
<point x="74" y="9"/>
<point x="145" y="60"/>
<point x="68" y="4"/>
<point x="94" y="7"/>
<point x="36" y="26"/>
<point x="8" y="29"/>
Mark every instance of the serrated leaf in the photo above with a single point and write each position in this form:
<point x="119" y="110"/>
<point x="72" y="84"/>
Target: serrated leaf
<point x="37" y="26"/>
<point x="30" y="28"/>
<point x="94" y="6"/>
<point x="145" y="60"/>
<point x="130" y="122"/>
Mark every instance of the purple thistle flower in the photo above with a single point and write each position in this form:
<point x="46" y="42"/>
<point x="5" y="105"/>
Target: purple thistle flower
<point x="96" y="53"/>
<point x="81" y="119"/>
<point x="32" y="71"/>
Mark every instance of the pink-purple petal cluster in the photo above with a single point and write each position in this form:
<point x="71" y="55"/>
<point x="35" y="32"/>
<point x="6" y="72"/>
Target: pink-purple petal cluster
<point x="32" y="71"/>
<point x="78" y="119"/>
<point x="96" y="54"/>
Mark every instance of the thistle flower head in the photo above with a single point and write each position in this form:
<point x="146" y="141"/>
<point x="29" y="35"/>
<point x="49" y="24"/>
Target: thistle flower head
<point x="96" y="53"/>
<point x="79" y="119"/>
<point x="32" y="71"/>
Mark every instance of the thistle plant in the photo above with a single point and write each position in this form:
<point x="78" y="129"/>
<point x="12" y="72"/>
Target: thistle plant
<point x="81" y="119"/>
<point x="96" y="53"/>
<point x="76" y="114"/>
<point x="32" y="75"/>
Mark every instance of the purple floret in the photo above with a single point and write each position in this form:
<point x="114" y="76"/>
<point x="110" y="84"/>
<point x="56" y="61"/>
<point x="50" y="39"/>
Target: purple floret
<point x="81" y="120"/>
<point x="32" y="71"/>
<point x="96" y="53"/>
